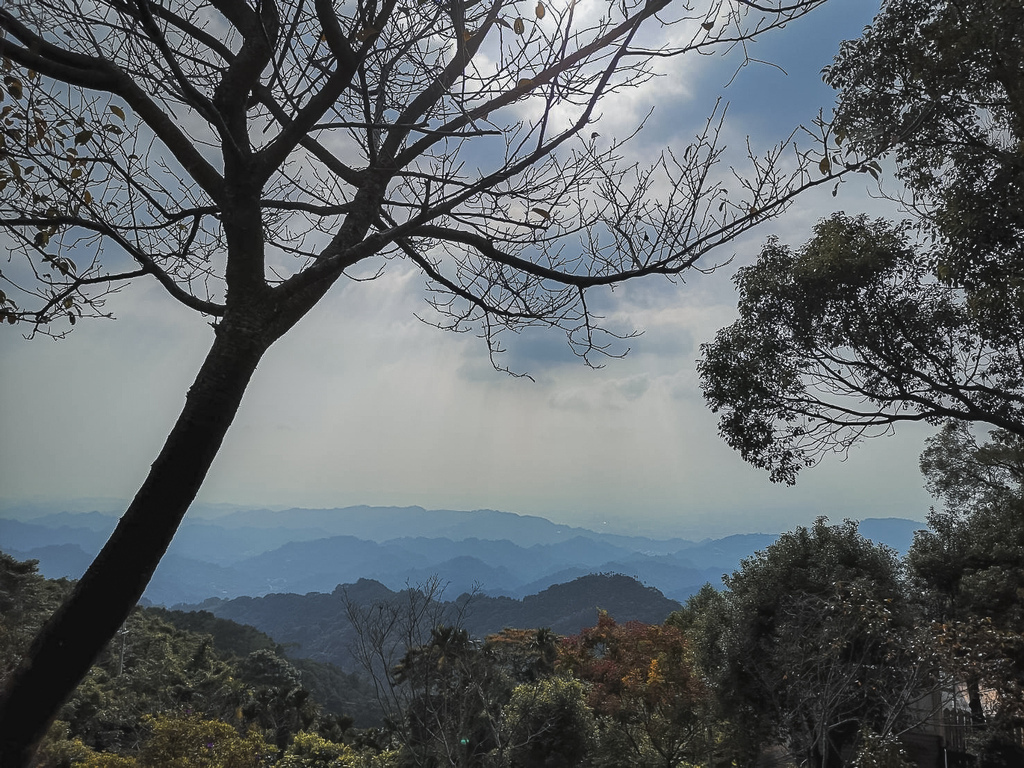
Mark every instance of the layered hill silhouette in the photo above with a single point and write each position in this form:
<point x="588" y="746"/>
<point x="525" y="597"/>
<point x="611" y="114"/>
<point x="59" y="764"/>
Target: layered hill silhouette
<point x="261" y="552"/>
<point x="317" y="625"/>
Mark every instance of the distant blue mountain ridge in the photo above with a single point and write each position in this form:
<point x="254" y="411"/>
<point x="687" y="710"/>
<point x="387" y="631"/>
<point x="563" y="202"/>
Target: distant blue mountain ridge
<point x="259" y="552"/>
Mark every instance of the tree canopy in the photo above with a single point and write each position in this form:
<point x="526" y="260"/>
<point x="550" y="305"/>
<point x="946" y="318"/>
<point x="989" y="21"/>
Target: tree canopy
<point x="641" y="679"/>
<point x="819" y="648"/>
<point x="872" y="323"/>
<point x="969" y="565"/>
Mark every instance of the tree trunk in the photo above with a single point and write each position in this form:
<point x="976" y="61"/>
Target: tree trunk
<point x="72" y="639"/>
<point x="974" y="702"/>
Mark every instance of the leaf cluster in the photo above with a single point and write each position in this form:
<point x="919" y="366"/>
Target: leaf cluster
<point x="870" y="324"/>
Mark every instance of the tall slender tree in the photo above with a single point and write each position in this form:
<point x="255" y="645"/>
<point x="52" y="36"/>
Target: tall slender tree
<point x="247" y="155"/>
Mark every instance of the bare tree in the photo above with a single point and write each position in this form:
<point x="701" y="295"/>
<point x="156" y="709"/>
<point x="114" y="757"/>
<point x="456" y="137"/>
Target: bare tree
<point x="247" y="155"/>
<point x="430" y="679"/>
<point x="385" y="630"/>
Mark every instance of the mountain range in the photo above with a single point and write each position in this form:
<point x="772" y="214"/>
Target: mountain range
<point x="498" y="554"/>
<point x="319" y="626"/>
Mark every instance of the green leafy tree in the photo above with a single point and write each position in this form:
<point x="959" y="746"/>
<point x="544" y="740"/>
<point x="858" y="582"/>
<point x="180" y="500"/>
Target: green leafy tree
<point x="108" y="760"/>
<point x="455" y="696"/>
<point x="194" y="742"/>
<point x="229" y="637"/>
<point x="547" y="723"/>
<point x="970" y="563"/>
<point x="26" y="599"/>
<point x="150" y="668"/>
<point x="189" y="741"/>
<point x="525" y="655"/>
<point x="273" y="697"/>
<point x="385" y="631"/>
<point x="821" y="646"/>
<point x="248" y="156"/>
<point x="60" y="749"/>
<point x="705" y="620"/>
<point x="155" y="668"/>
<point x="873" y="323"/>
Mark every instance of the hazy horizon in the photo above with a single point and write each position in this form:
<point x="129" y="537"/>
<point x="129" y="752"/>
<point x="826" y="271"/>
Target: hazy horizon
<point x="31" y="508"/>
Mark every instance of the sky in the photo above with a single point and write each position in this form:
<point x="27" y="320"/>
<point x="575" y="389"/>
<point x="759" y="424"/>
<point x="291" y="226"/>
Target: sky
<point x="364" y="404"/>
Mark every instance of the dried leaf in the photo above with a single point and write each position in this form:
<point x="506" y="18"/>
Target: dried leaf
<point x="540" y="10"/>
<point x="13" y="86"/>
<point x="519" y="26"/>
<point x="542" y="213"/>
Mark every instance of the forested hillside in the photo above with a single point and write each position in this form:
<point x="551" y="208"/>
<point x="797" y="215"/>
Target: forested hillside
<point x="320" y="625"/>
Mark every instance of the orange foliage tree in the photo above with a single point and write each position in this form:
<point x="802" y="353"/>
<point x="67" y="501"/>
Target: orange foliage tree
<point x="643" y="686"/>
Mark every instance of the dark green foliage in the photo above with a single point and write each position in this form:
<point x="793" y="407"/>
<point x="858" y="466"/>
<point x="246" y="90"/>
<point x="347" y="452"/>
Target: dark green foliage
<point x="873" y="323"/>
<point x="345" y="698"/>
<point x="705" y="621"/>
<point x="229" y="637"/>
<point x="150" y="668"/>
<point x="342" y="694"/>
<point x="970" y="567"/>
<point x="967" y="475"/>
<point x="547" y="724"/>
<point x="172" y="662"/>
<point x="820" y="643"/>
<point x="972" y="557"/>
<point x="26" y="600"/>
<point x="939" y="84"/>
<point x="456" y="694"/>
<point x="843" y="338"/>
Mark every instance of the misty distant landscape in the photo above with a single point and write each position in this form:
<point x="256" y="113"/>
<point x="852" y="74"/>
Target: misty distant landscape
<point x="293" y="574"/>
<point x="254" y="553"/>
